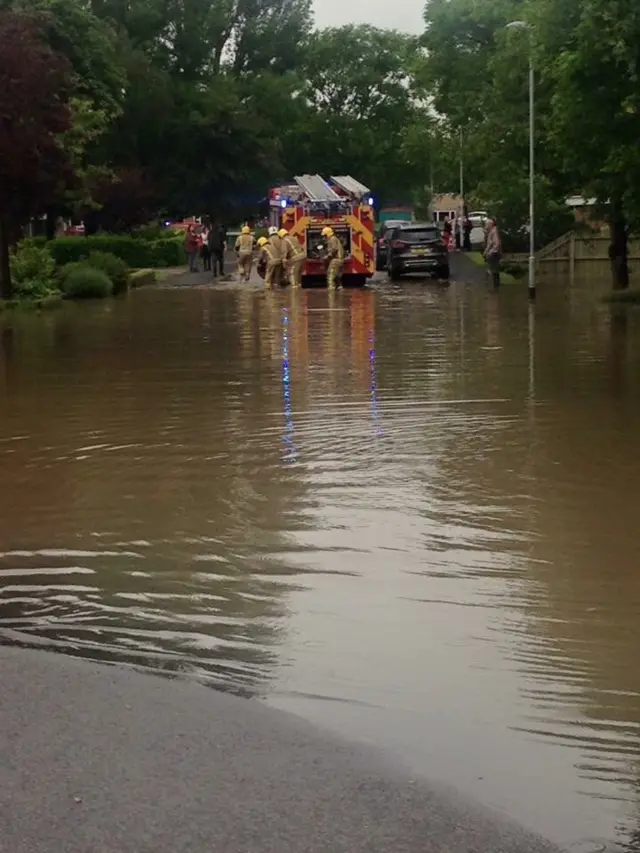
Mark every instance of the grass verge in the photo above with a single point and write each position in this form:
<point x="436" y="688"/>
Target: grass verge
<point x="140" y="278"/>
<point x="478" y="260"/>
<point x="52" y="300"/>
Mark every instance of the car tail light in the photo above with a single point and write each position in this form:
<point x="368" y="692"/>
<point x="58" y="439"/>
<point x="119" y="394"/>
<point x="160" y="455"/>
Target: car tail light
<point x="380" y="241"/>
<point x="399" y="244"/>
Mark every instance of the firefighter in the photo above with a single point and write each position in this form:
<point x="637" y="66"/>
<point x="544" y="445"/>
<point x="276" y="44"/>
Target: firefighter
<point x="276" y="241"/>
<point x="270" y="260"/>
<point x="244" y="248"/>
<point x="294" y="256"/>
<point x="335" y="256"/>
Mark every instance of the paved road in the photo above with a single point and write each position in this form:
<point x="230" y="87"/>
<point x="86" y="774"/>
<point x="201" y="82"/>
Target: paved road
<point x="98" y="759"/>
<point x="462" y="269"/>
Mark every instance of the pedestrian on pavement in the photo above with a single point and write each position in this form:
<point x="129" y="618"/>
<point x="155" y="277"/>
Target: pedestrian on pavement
<point x="455" y="228"/>
<point x="205" y="252"/>
<point x="466" y="243"/>
<point x="493" y="251"/>
<point x="244" y="249"/>
<point x="446" y="233"/>
<point x="217" y="246"/>
<point x="191" y="247"/>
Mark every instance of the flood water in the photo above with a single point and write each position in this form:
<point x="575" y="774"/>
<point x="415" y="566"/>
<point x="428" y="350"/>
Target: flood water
<point x="409" y="514"/>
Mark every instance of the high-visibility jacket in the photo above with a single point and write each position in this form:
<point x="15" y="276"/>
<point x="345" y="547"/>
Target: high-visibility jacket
<point x="276" y="242"/>
<point x="268" y="254"/>
<point x="244" y="244"/>
<point x="292" y="247"/>
<point x="335" y="249"/>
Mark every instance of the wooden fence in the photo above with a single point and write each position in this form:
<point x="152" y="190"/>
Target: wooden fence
<point x="581" y="255"/>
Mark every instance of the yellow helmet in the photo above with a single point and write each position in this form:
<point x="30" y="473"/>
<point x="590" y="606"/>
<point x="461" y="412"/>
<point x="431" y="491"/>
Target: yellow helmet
<point x="327" y="231"/>
<point x="246" y="229"/>
<point x="262" y="241"/>
<point x="282" y="232"/>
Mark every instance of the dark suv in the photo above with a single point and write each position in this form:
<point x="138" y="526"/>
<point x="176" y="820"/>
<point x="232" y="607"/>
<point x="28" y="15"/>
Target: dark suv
<point x="381" y="242"/>
<point x="416" y="247"/>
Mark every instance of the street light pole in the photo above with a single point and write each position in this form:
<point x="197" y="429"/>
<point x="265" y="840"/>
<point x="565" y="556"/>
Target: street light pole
<point x="532" y="177"/>
<point x="523" y="25"/>
<point x="461" y="206"/>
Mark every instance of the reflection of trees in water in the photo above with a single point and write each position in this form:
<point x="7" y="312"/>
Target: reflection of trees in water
<point x="559" y="480"/>
<point x="579" y="478"/>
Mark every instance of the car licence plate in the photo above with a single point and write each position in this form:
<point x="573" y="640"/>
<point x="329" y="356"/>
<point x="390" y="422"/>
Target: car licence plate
<point x="419" y="251"/>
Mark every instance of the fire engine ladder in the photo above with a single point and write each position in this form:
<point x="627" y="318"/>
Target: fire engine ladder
<point x="316" y="188"/>
<point x="350" y="185"/>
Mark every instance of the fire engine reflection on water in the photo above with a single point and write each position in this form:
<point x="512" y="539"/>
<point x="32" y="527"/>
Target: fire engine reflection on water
<point x="407" y="513"/>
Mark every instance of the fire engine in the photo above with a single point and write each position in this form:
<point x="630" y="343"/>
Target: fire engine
<point x="305" y="207"/>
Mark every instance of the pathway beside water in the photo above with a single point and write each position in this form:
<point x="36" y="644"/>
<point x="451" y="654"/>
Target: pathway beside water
<point x="105" y="759"/>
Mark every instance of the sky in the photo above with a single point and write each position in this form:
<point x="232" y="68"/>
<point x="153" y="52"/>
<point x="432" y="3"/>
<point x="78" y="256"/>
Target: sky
<point x="400" y="14"/>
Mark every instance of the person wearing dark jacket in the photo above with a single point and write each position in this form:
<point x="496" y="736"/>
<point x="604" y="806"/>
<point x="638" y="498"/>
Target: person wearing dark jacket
<point x="217" y="246"/>
<point x="467" y="228"/>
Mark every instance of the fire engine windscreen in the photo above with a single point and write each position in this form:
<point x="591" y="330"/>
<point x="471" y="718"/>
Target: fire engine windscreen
<point x="316" y="242"/>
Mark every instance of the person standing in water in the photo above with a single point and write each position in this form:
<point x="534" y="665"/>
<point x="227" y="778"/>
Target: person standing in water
<point x="244" y="249"/>
<point x="493" y="251"/>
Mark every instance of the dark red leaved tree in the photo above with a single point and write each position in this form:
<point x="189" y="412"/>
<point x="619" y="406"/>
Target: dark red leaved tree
<point x="126" y="199"/>
<point x="35" y="88"/>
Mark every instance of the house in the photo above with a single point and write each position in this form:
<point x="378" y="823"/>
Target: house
<point x="446" y="205"/>
<point x="584" y="211"/>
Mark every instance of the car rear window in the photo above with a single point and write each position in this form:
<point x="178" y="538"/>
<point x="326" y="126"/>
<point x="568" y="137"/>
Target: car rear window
<point x="418" y="235"/>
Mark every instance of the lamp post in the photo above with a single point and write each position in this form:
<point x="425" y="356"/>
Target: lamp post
<point x="523" y="25"/>
<point x="461" y="205"/>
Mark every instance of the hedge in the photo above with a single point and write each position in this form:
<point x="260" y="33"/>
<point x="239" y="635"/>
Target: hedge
<point x="135" y="252"/>
<point x="138" y="278"/>
<point x="85" y="282"/>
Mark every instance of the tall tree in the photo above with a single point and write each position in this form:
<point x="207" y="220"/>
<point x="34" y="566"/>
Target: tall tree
<point x="356" y="84"/>
<point x="195" y="39"/>
<point x="35" y="92"/>
<point x="589" y="50"/>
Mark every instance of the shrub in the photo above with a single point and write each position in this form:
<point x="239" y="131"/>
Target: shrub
<point x="514" y="268"/>
<point x="62" y="273"/>
<point x="85" y="282"/>
<point x="135" y="252"/>
<point x="115" y="268"/>
<point x="32" y="271"/>
<point x="155" y="231"/>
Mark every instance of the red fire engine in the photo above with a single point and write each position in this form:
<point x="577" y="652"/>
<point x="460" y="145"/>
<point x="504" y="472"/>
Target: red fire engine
<point x="311" y="203"/>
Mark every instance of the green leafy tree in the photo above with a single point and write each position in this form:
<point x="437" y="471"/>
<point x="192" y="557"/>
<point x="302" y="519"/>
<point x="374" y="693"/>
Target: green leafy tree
<point x="194" y="39"/>
<point x="357" y="89"/>
<point x="589" y="50"/>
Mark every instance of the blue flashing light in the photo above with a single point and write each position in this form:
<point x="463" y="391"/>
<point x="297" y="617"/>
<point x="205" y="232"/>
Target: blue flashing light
<point x="283" y="203"/>
<point x="375" y="412"/>
<point x="288" y="437"/>
<point x="370" y="201"/>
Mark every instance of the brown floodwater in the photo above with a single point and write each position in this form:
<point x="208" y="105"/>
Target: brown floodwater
<point x="407" y="513"/>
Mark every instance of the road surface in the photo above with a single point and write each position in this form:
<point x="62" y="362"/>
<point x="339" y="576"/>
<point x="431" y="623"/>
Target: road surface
<point x="97" y="758"/>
